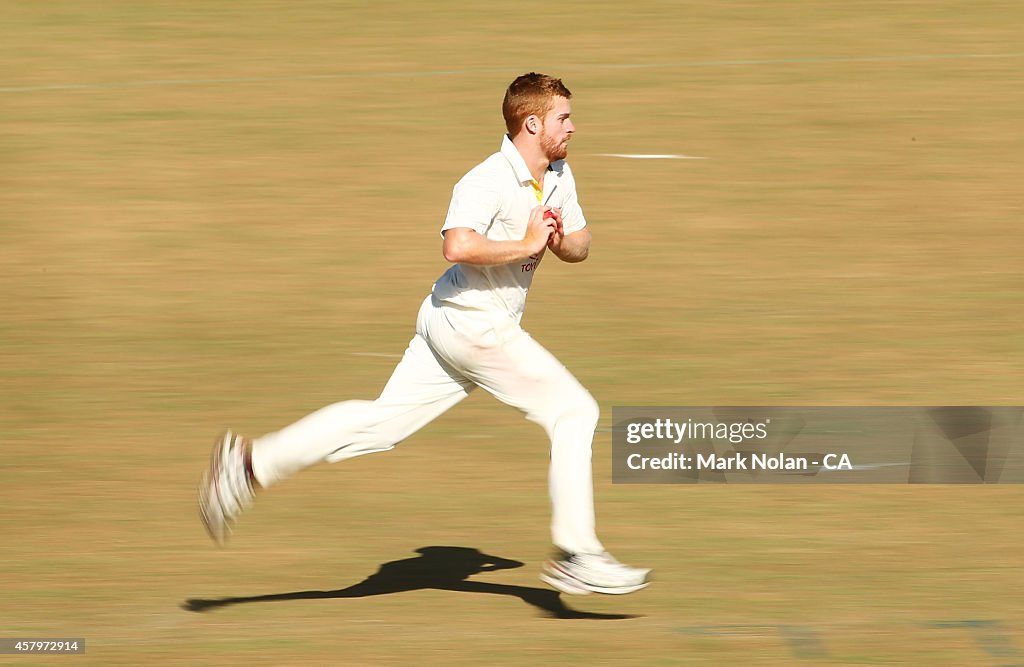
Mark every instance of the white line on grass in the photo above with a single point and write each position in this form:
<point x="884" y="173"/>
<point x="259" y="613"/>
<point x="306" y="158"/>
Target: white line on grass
<point x="652" y="156"/>
<point x="504" y="70"/>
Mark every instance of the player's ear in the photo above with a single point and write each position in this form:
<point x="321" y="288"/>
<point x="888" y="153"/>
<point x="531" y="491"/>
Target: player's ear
<point x="532" y="124"/>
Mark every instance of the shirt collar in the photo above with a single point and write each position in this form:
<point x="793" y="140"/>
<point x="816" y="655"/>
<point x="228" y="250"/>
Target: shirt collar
<point x="511" y="153"/>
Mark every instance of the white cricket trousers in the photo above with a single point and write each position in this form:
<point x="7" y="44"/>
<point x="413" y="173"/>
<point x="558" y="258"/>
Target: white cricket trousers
<point x="452" y="353"/>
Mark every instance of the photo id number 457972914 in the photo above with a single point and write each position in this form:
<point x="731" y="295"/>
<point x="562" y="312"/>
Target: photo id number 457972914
<point x="41" y="646"/>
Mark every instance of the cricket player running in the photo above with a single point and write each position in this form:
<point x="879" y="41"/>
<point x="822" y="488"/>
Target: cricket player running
<point x="503" y="217"/>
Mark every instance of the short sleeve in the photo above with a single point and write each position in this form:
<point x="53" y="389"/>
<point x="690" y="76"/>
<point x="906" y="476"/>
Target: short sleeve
<point x="474" y="204"/>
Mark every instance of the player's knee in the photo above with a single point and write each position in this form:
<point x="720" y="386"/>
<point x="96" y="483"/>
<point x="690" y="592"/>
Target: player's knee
<point x="582" y="409"/>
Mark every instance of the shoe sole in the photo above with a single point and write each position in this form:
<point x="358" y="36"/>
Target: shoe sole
<point x="563" y="585"/>
<point x="209" y="494"/>
<point x="576" y="587"/>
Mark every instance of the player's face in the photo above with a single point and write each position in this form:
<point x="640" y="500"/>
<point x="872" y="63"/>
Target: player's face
<point x="557" y="130"/>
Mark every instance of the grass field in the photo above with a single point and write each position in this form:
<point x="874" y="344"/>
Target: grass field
<point x="219" y="213"/>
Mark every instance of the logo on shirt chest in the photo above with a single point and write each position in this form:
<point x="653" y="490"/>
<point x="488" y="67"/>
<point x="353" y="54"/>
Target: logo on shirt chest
<point x="530" y="266"/>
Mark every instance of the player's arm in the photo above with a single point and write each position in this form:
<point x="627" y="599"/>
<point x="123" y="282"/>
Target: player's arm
<point x="467" y="246"/>
<point x="572" y="247"/>
<point x="570" y="243"/>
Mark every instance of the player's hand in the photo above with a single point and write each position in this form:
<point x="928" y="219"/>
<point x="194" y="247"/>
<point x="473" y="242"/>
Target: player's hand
<point x="555" y="240"/>
<point x="554" y="214"/>
<point x="539" y="229"/>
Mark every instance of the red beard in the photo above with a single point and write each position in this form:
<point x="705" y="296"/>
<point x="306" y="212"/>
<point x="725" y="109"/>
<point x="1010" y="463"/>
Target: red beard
<point x="552" y="150"/>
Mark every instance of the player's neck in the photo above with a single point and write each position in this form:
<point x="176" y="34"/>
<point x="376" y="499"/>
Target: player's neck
<point x="536" y="161"/>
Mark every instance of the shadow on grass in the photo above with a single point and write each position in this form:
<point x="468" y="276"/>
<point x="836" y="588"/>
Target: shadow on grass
<point x="438" y="568"/>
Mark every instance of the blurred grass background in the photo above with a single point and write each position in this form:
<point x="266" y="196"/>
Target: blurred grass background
<point x="211" y="212"/>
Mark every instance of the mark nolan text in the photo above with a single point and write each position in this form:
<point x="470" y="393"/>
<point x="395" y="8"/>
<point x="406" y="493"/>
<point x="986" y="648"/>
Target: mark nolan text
<point x="738" y="461"/>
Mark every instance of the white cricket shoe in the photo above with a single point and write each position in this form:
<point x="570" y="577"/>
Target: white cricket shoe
<point x="582" y="574"/>
<point x="225" y="490"/>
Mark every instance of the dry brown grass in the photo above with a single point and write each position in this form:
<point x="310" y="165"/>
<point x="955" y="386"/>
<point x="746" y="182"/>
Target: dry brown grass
<point x="208" y="234"/>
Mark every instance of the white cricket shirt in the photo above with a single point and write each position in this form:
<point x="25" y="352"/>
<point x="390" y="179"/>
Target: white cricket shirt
<point x="495" y="199"/>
